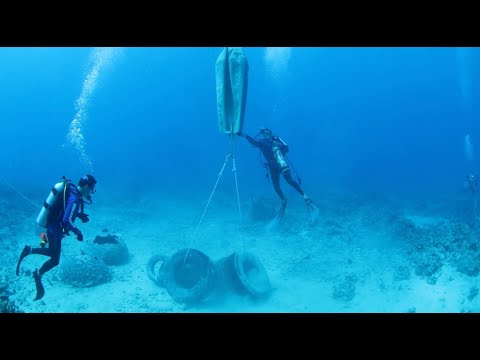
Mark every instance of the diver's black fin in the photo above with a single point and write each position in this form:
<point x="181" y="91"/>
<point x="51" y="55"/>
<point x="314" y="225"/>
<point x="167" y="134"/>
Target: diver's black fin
<point x="314" y="213"/>
<point x="38" y="285"/>
<point x="281" y="211"/>
<point x="273" y="224"/>
<point x="26" y="251"/>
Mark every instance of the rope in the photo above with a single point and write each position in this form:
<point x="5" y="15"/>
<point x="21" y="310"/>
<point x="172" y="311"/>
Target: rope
<point x="234" y="169"/>
<point x="206" y="207"/>
<point x="19" y="193"/>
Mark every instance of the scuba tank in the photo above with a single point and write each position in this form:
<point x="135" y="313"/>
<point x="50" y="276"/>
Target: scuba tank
<point x="58" y="188"/>
<point x="279" y="157"/>
<point x="280" y="143"/>
<point x="280" y="148"/>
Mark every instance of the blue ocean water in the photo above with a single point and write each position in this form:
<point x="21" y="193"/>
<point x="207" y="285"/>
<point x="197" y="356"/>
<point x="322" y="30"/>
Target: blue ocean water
<point x="393" y="122"/>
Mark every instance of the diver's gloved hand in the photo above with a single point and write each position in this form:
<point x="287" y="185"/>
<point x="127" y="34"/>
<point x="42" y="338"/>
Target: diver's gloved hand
<point x="83" y="217"/>
<point x="240" y="134"/>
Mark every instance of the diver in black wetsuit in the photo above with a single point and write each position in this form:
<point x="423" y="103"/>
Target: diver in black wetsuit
<point x="471" y="183"/>
<point x="274" y="150"/>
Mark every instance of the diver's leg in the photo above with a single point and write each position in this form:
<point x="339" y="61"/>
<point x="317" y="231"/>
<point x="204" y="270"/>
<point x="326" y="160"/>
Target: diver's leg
<point x="275" y="174"/>
<point x="28" y="250"/>
<point x="288" y="177"/>
<point x="42" y="251"/>
<point x="55" y="236"/>
<point x="53" y="231"/>
<point x="293" y="183"/>
<point x="276" y="185"/>
<point x="54" y="249"/>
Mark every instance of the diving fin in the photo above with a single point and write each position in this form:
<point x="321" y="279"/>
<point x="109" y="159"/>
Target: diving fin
<point x="273" y="224"/>
<point x="314" y="216"/>
<point x="38" y="285"/>
<point x="27" y="250"/>
<point x="281" y="212"/>
<point x="314" y="212"/>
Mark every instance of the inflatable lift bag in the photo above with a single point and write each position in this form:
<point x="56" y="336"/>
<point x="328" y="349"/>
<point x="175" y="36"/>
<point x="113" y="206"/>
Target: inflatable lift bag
<point x="231" y="69"/>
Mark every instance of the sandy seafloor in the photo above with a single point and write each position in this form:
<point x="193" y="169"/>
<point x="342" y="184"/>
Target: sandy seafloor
<point x="365" y="255"/>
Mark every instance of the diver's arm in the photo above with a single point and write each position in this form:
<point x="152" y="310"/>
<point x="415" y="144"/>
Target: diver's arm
<point x="251" y="140"/>
<point x="70" y="215"/>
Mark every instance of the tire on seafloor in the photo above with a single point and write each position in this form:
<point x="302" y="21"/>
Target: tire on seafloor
<point x="154" y="273"/>
<point x="189" y="278"/>
<point x="242" y="273"/>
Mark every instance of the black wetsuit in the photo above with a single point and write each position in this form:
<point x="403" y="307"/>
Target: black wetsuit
<point x="273" y="149"/>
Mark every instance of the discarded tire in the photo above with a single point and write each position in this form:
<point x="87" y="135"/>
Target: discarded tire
<point x="154" y="273"/>
<point x="189" y="279"/>
<point x="243" y="273"/>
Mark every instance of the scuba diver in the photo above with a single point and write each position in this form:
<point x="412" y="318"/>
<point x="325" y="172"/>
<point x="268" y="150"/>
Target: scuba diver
<point x="274" y="150"/>
<point x="471" y="183"/>
<point x="64" y="204"/>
